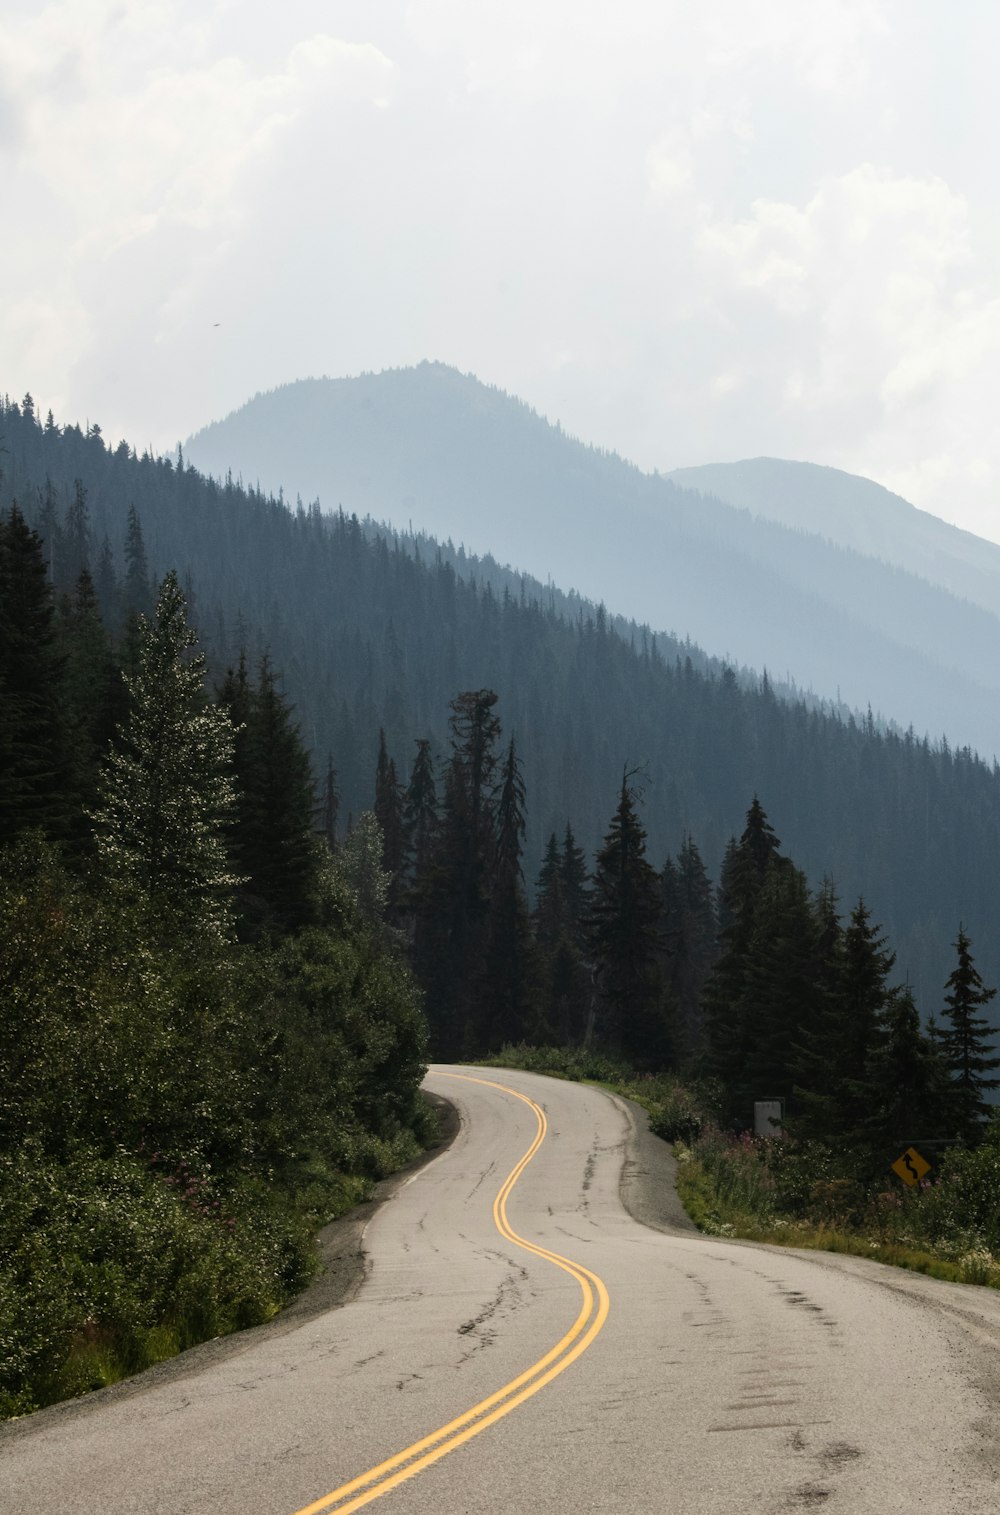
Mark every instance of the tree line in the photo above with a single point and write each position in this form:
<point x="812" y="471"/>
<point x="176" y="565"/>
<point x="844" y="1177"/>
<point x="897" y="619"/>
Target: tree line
<point x="759" y="986"/>
<point x="372" y="629"/>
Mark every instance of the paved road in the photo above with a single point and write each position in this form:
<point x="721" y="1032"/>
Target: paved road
<point x="607" y="1366"/>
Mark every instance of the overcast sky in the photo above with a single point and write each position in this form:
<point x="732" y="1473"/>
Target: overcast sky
<point x="690" y="230"/>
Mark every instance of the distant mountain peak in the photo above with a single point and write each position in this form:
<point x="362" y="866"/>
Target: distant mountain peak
<point x="829" y="581"/>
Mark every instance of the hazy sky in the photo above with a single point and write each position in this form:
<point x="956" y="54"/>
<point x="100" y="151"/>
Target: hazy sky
<point x="691" y="230"/>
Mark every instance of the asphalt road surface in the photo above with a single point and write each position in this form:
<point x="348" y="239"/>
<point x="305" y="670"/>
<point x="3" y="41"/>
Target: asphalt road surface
<point x="522" y="1342"/>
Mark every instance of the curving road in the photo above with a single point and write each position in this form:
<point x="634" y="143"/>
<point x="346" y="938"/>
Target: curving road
<point x="522" y="1342"/>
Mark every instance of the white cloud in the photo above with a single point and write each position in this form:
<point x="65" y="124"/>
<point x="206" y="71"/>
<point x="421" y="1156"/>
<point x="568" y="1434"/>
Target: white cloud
<point x="136" y="129"/>
<point x="690" y="231"/>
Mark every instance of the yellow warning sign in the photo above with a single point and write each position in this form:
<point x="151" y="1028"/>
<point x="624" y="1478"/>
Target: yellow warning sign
<point x="911" y="1167"/>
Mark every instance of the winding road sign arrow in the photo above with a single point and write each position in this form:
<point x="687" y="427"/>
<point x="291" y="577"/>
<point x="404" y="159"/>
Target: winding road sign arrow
<point x="911" y="1167"/>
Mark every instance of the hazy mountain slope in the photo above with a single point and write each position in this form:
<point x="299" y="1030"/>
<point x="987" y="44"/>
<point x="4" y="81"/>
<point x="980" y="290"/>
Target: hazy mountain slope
<point x="370" y="632"/>
<point x="856" y="512"/>
<point x="457" y="459"/>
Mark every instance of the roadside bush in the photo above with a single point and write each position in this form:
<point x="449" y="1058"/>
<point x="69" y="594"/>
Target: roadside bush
<point x="176" y="1121"/>
<point x="963" y="1202"/>
<point x="680" y="1117"/>
<point x="574" y="1063"/>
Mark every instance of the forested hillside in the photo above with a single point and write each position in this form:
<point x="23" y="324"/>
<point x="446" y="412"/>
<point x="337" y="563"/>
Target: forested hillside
<point x="859" y="514"/>
<point x="460" y="459"/>
<point x="369" y="634"/>
<point x="209" y="1043"/>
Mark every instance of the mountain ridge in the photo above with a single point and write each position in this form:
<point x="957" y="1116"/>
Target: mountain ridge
<point x="466" y="462"/>
<point x="858" y="513"/>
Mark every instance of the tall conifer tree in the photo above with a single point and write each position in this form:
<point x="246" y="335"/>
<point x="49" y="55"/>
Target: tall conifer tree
<point x="968" y="1041"/>
<point x="330" y="805"/>
<point x="745" y="867"/>
<point x="907" y="1084"/>
<point x="166" y="795"/>
<point x="273" y="845"/>
<point x="456" y="903"/>
<point x="34" y="766"/>
<point x="625" y="940"/>
<point x="509" y="980"/>
<point x="388" y="812"/>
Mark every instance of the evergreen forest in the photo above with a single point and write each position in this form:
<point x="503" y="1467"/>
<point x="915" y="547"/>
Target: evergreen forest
<point x="386" y="802"/>
<point x="210" y="1043"/>
<point x="375" y="631"/>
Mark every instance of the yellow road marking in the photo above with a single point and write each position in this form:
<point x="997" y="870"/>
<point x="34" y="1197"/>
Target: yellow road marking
<point x="421" y="1454"/>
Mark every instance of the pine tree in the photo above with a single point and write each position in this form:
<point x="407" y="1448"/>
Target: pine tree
<point x="106" y="584"/>
<point x="625" y="941"/>
<point x="475" y="731"/>
<point x="690" y="928"/>
<point x="388" y="812"/>
<point x="136" y="590"/>
<point x="510" y="808"/>
<point x="968" y="1042"/>
<point x="50" y="530"/>
<point x="92" y="700"/>
<point x="833" y="1094"/>
<point x="273" y="845"/>
<point x="330" y="805"/>
<point x="420" y="817"/>
<point x="358" y="864"/>
<point x="906" y="1084"/>
<point x="508" y="992"/>
<point x="744" y="870"/>
<point x="778" y="1001"/>
<point x="455" y="906"/>
<point x="34" y="763"/>
<point x="564" y="979"/>
<point x="551" y="917"/>
<point x="166" y="795"/>
<point x="76" y="538"/>
<point x="575" y="879"/>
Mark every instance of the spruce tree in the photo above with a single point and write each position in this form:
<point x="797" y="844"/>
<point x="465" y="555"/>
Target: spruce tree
<point x="968" y="1042"/>
<point x="388" y="812"/>
<point x="510" y="807"/>
<point x="575" y="878"/>
<point x="550" y="916"/>
<point x="136" y="591"/>
<point x="166" y="795"/>
<point x="77" y="538"/>
<point x="92" y="702"/>
<point x="272" y="837"/>
<point x="420" y="821"/>
<point x="106" y="584"/>
<point x="778" y="1000"/>
<point x="564" y="979"/>
<point x="691" y="929"/>
<point x="833" y="1094"/>
<point x="729" y="1037"/>
<point x="455" y="905"/>
<point x="329" y="805"/>
<point x="508" y="993"/>
<point x="906" y="1084"/>
<point x="626" y="943"/>
<point x="34" y="761"/>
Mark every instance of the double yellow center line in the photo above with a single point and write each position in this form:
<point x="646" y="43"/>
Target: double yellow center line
<point x="430" y="1449"/>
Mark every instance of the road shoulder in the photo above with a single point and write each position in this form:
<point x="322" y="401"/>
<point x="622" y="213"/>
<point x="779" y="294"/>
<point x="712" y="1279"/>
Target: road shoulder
<point x="648" y="1184"/>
